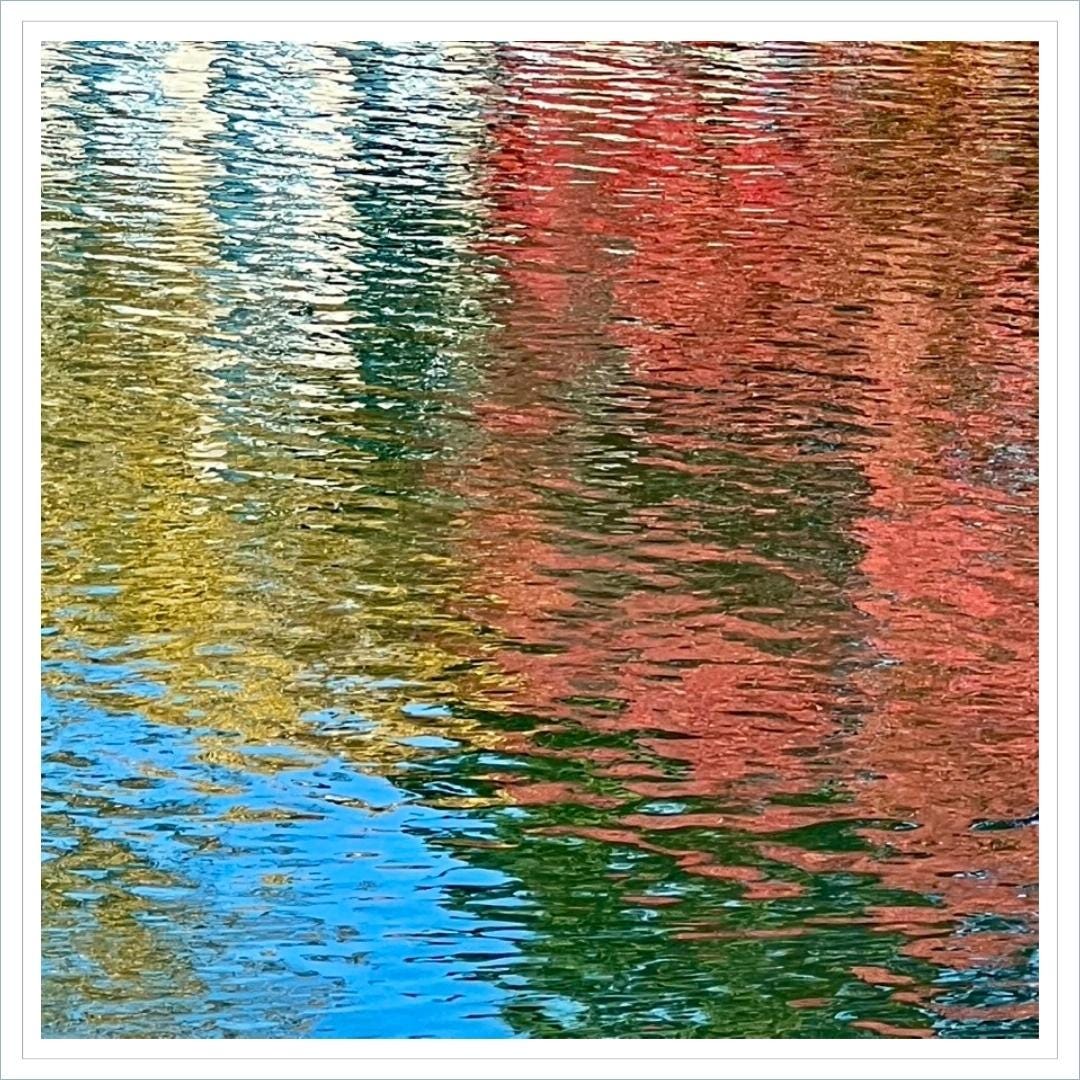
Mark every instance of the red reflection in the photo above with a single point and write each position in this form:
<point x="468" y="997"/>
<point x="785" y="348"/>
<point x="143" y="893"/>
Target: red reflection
<point x="692" y="284"/>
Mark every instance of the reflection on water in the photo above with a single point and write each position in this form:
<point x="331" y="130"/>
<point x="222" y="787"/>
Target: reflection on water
<point x="539" y="540"/>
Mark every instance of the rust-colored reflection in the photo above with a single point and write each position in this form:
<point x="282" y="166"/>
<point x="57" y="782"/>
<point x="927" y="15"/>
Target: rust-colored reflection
<point x="813" y="377"/>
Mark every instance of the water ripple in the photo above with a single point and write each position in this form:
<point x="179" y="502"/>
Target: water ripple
<point x="539" y="539"/>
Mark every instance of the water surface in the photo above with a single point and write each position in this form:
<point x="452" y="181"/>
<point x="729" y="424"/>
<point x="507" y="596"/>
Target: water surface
<point x="539" y="540"/>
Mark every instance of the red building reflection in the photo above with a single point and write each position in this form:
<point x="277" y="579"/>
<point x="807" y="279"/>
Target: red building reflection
<point x="703" y="279"/>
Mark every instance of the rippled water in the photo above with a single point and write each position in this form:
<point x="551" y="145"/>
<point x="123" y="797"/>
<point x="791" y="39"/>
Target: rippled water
<point x="539" y="540"/>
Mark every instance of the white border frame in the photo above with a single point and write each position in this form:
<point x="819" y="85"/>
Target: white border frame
<point x="25" y="25"/>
